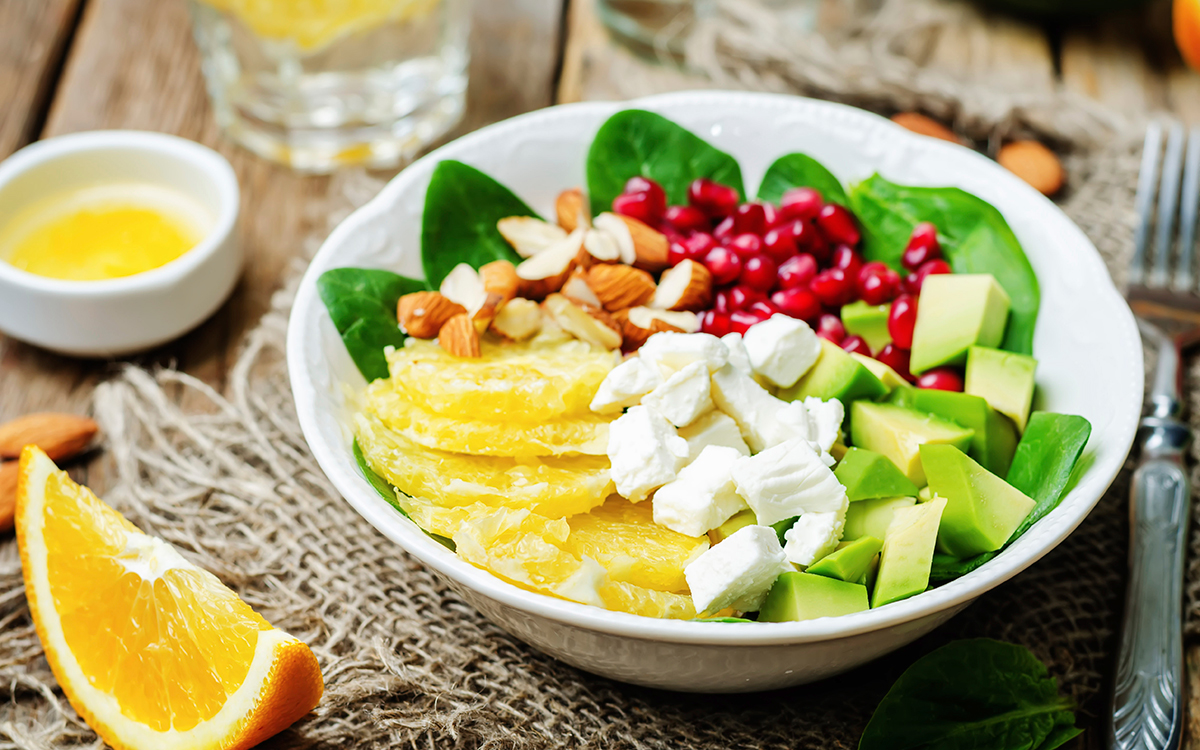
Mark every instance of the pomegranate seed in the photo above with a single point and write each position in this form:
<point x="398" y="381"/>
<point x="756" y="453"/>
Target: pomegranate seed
<point x="856" y="345"/>
<point x="877" y="283"/>
<point x="724" y="231"/>
<point x="724" y="264"/>
<point x="750" y="218"/>
<point x="941" y="379"/>
<point x="742" y="296"/>
<point x="829" y="326"/>
<point x="798" y="231"/>
<point x="838" y="225"/>
<point x="715" y="323"/>
<point x="686" y="219"/>
<point x="797" y="271"/>
<point x="932" y="268"/>
<point x="763" y="309"/>
<point x="638" y="206"/>
<point x="746" y="245"/>
<point x="799" y="303"/>
<point x="677" y="252"/>
<point x="897" y="359"/>
<point x="759" y="272"/>
<point x="817" y="245"/>
<point x="801" y="203"/>
<point x="846" y="259"/>
<point x="901" y="320"/>
<point x="721" y="301"/>
<point x="698" y="245"/>
<point x="923" y="246"/>
<point x="779" y="244"/>
<point x="832" y="287"/>
<point x="711" y="198"/>
<point x="741" y="320"/>
<point x="771" y="214"/>
<point x="650" y="187"/>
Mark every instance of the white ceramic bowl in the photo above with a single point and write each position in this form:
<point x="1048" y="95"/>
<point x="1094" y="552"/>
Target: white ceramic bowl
<point x="1086" y="341"/>
<point x="118" y="316"/>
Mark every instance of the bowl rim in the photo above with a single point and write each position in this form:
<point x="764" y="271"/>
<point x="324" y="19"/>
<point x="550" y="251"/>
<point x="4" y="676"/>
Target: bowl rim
<point x="217" y="169"/>
<point x="1049" y="531"/>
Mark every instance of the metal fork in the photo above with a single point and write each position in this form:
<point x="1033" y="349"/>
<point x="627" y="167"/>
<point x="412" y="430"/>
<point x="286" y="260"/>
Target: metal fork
<point x="1148" y="697"/>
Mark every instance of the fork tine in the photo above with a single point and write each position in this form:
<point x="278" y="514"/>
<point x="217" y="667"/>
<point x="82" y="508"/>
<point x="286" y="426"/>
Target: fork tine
<point x="1187" y="213"/>
<point x="1168" y="201"/>
<point x="1144" y="203"/>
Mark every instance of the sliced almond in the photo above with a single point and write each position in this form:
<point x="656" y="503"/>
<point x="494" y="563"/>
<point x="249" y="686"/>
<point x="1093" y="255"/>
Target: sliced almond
<point x="518" y="320"/>
<point x="500" y="277"/>
<point x="61" y="436"/>
<point x="686" y="286"/>
<point x="529" y="235"/>
<point x="619" y="231"/>
<point x="635" y="334"/>
<point x="547" y="271"/>
<point x="459" y="337"/>
<point x="8" y="495"/>
<point x="602" y="246"/>
<point x="1034" y="163"/>
<point x="592" y="325"/>
<point x="572" y="210"/>
<point x="644" y="317"/>
<point x="579" y="291"/>
<point x="619" y="286"/>
<point x="922" y="125"/>
<point x="649" y="245"/>
<point x="422" y="314"/>
<point x="464" y="286"/>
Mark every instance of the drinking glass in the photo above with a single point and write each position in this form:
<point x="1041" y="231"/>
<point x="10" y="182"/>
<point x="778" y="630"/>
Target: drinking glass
<point x="317" y="84"/>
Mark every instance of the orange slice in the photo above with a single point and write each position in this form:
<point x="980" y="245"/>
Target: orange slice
<point x="152" y="651"/>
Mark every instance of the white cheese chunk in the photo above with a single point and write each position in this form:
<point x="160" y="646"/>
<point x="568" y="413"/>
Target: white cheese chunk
<point x="737" y="352"/>
<point x="782" y="349"/>
<point x="756" y="412"/>
<point x="625" y="385"/>
<point x="825" y="420"/>
<point x="738" y="572"/>
<point x="713" y="428"/>
<point x="684" y="396"/>
<point x="671" y="351"/>
<point x="788" y="480"/>
<point x="644" y="451"/>
<point x="814" y="535"/>
<point x="703" y="496"/>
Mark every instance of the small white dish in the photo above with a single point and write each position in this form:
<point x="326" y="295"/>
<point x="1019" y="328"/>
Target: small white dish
<point x="1089" y="351"/>
<point x="119" y="316"/>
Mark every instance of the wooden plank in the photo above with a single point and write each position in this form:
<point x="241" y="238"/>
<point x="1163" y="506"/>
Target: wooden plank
<point x="33" y="34"/>
<point x="1107" y="62"/>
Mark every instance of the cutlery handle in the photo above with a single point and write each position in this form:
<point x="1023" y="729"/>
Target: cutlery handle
<point x="1148" y="698"/>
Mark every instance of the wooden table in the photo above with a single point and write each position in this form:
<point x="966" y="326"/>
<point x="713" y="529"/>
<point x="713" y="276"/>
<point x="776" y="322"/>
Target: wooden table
<point x="71" y="65"/>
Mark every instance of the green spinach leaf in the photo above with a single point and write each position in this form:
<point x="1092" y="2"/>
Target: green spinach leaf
<point x="800" y="170"/>
<point x="362" y="303"/>
<point x="975" y="239"/>
<point x="969" y="694"/>
<point x="462" y="206"/>
<point x="635" y="142"/>
<point x="388" y="492"/>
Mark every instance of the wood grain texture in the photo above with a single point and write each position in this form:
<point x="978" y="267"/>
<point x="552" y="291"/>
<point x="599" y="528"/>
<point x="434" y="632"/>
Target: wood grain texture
<point x="32" y="38"/>
<point x="1106" y="60"/>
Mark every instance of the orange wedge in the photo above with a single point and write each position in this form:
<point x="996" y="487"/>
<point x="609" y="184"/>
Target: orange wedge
<point x="1187" y="30"/>
<point x="152" y="651"/>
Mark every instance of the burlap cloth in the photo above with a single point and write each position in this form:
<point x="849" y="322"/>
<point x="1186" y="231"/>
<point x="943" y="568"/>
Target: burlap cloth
<point x="406" y="662"/>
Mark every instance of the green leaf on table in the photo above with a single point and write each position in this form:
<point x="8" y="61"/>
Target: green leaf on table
<point x="362" y="304"/>
<point x="968" y="694"/>
<point x="389" y="492"/>
<point x="1041" y="468"/>
<point x="462" y="206"/>
<point x="800" y="170"/>
<point x="974" y="235"/>
<point x="635" y="142"/>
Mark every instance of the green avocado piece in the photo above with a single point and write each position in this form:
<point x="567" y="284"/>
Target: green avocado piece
<point x="982" y="510"/>
<point x="995" y="435"/>
<point x="781" y="528"/>
<point x="835" y="375"/>
<point x="850" y="561"/>
<point x="872" y="517"/>
<point x="889" y="377"/>
<point x="739" y="520"/>
<point x="1004" y="379"/>
<point x="868" y="321"/>
<point x="957" y="311"/>
<point x="867" y="474"/>
<point x="803" y="596"/>
<point x="924" y="495"/>
<point x="898" y="433"/>
<point x="907" y="554"/>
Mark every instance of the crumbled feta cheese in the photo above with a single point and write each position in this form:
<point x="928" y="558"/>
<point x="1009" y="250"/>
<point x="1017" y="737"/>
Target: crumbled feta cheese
<point x="814" y="535"/>
<point x="625" y="385"/>
<point x="825" y="418"/>
<point x="703" y="496"/>
<point x="788" y="480"/>
<point x="644" y="451"/>
<point x="756" y="411"/>
<point x="672" y="351"/>
<point x="738" y="572"/>
<point x="781" y="349"/>
<point x="737" y="352"/>
<point x="713" y="428"/>
<point x="684" y="396"/>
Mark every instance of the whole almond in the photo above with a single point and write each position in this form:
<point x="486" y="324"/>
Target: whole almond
<point x="8" y="495"/>
<point x="424" y="313"/>
<point x="500" y="277"/>
<point x="459" y="337"/>
<point x="649" y="245"/>
<point x="1034" y="163"/>
<point x="686" y="286"/>
<point x="572" y="210"/>
<point x="61" y="436"/>
<point x="621" y="286"/>
<point x="922" y="125"/>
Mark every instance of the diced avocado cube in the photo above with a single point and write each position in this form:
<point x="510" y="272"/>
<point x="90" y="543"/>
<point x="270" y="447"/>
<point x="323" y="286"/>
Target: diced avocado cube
<point x="867" y="474"/>
<point x="868" y="321"/>
<point x="872" y="517"/>
<point x="835" y="375"/>
<point x="898" y="433"/>
<point x="995" y="435"/>
<point x="889" y="377"/>
<point x="982" y="510"/>
<point x="1004" y="379"/>
<point x="957" y="311"/>
<point x="739" y="520"/>
<point x="850" y="561"/>
<point x="907" y="554"/>
<point x="924" y="495"/>
<point x="803" y="596"/>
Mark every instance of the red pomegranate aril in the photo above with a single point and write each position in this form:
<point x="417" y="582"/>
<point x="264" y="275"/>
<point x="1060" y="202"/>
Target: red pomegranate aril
<point x="640" y="206"/>
<point x="771" y="214"/>
<point x="832" y="287"/>
<point x="714" y="322"/>
<point x="724" y="264"/>
<point x="746" y="245"/>
<point x="677" y="252"/>
<point x="686" y="219"/>
<point x="721" y="301"/>
<point x="922" y="247"/>
<point x="902" y="318"/>
<point x="799" y="303"/>
<point x="915" y="280"/>
<point x="741" y="297"/>
<point x="801" y="203"/>
<point x="724" y="231"/>
<point x="829" y="326"/>
<point x="750" y="218"/>
<point x="712" y="198"/>
<point x="846" y="259"/>
<point x="856" y="345"/>
<point x="646" y="185"/>
<point x="741" y="320"/>
<point x="941" y="379"/>
<point x="699" y="244"/>
<point x="877" y="283"/>
<point x="797" y="271"/>
<point x="779" y="244"/>
<point x="818" y="246"/>
<point x="838" y="225"/>
<point x="759" y="272"/>
<point x="763" y="309"/>
<point x="897" y="359"/>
